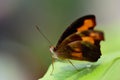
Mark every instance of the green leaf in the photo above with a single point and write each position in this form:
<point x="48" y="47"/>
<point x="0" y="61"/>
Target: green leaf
<point x="106" y="68"/>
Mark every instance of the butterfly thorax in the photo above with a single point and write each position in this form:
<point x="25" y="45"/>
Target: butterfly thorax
<point x="59" y="54"/>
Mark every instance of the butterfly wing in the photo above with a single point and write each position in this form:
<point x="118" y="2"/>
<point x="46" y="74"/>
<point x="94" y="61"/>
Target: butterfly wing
<point x="84" y="23"/>
<point x="81" y="46"/>
<point x="80" y="41"/>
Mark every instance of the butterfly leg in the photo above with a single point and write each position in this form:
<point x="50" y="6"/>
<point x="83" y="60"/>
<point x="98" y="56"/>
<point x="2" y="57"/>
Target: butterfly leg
<point x="53" y="60"/>
<point x="72" y="64"/>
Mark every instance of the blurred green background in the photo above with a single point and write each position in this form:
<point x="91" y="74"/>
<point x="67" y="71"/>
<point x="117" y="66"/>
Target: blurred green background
<point x="24" y="53"/>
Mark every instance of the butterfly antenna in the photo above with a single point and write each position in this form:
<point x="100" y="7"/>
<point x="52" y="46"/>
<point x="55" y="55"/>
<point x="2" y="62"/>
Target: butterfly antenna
<point x="53" y="60"/>
<point x="37" y="27"/>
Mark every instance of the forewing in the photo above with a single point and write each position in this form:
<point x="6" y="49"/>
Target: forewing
<point x="84" y="23"/>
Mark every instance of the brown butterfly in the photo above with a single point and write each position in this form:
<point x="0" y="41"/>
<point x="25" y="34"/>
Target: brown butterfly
<point x="79" y="41"/>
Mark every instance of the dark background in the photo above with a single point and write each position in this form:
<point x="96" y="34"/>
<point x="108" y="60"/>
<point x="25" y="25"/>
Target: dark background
<point x="24" y="53"/>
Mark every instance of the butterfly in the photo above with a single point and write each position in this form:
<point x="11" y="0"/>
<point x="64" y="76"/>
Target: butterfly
<point x="79" y="41"/>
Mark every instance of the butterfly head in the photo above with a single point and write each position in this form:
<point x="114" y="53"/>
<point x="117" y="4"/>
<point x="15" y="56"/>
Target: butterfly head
<point x="52" y="50"/>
